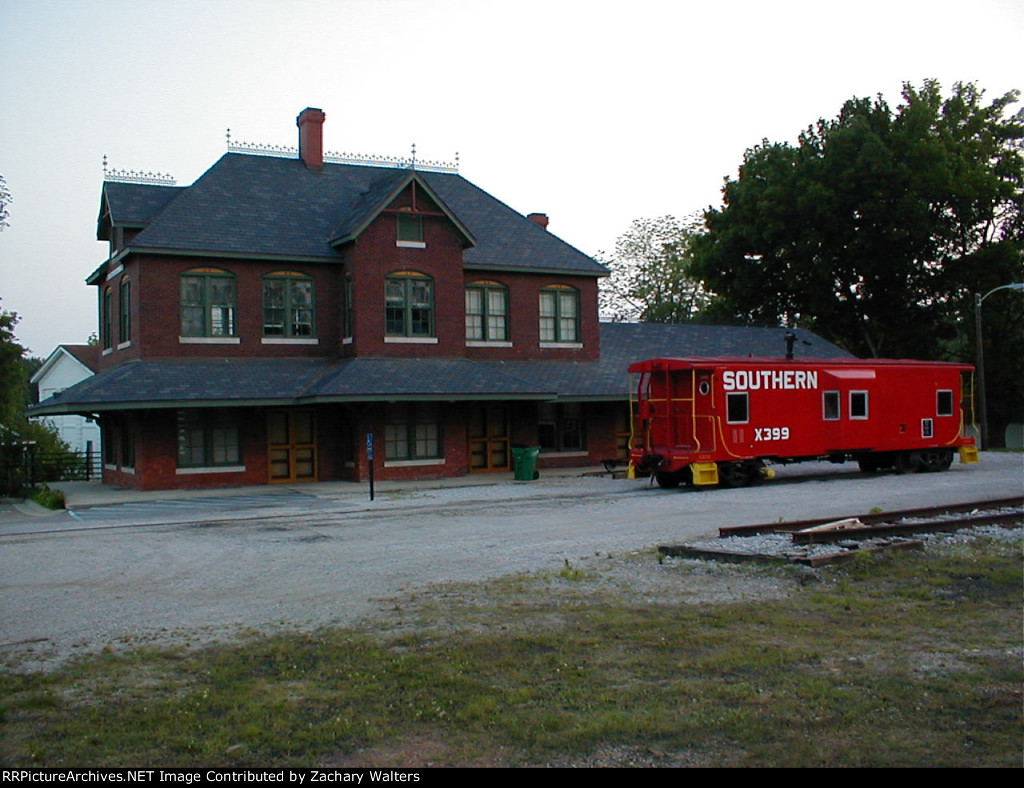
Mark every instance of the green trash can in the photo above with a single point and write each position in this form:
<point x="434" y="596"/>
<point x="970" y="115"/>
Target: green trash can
<point x="524" y="462"/>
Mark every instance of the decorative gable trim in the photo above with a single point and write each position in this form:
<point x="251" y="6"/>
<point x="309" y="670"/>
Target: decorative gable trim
<point x="373" y="207"/>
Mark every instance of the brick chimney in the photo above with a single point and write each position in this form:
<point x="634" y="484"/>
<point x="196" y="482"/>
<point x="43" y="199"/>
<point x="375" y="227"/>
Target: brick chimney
<point x="539" y="219"/>
<point x="311" y="137"/>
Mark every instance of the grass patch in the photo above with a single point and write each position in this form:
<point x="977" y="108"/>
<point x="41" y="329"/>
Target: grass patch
<point x="902" y="660"/>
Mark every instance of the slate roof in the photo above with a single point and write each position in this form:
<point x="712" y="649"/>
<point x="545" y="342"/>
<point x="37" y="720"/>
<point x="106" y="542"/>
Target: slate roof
<point x="131" y="205"/>
<point x="624" y="343"/>
<point x="178" y="382"/>
<point x="265" y="206"/>
<point x="172" y="383"/>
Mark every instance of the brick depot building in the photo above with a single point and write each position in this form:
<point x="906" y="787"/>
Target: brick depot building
<point x="258" y="325"/>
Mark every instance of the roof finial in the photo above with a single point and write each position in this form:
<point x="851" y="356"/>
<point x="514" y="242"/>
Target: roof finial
<point x="228" y="135"/>
<point x="104" y="166"/>
<point x="413" y="156"/>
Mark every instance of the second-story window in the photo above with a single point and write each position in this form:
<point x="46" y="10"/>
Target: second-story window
<point x="349" y="323"/>
<point x="559" y="314"/>
<point x="125" y="312"/>
<point x="207" y="303"/>
<point x="409" y="305"/>
<point x="107" y="319"/>
<point x="288" y="305"/>
<point x="486" y="312"/>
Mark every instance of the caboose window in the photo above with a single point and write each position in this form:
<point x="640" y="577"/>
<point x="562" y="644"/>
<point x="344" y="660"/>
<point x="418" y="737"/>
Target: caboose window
<point x="944" y="403"/>
<point x="830" y="405"/>
<point x="858" y="404"/>
<point x="927" y="428"/>
<point x="736" y="410"/>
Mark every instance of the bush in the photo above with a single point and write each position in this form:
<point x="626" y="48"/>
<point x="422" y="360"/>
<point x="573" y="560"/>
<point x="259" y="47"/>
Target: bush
<point x="51" y="499"/>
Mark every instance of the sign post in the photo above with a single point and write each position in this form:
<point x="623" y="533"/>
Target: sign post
<point x="369" y="459"/>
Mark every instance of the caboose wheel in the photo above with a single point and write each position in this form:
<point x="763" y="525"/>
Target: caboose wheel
<point x="908" y="462"/>
<point x="735" y="474"/>
<point x="869" y="464"/>
<point x="936" y="460"/>
<point x="667" y="481"/>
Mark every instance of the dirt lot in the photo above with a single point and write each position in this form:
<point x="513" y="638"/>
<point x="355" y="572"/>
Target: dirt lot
<point x="71" y="587"/>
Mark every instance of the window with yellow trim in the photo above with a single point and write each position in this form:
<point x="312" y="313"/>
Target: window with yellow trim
<point x="288" y="305"/>
<point x="487" y="312"/>
<point x="409" y="305"/>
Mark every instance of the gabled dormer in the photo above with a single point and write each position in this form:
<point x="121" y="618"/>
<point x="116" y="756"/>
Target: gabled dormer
<point x="126" y="209"/>
<point x="406" y="196"/>
<point x="403" y="249"/>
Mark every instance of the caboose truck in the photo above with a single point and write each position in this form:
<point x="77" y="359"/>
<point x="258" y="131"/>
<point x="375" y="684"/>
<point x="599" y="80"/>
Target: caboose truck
<point x="705" y="421"/>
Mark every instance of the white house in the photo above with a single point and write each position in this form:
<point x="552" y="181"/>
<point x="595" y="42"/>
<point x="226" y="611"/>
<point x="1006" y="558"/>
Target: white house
<point x="66" y="366"/>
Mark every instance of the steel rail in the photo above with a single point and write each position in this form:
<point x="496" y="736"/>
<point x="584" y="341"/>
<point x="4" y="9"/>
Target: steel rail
<point x="871" y="518"/>
<point x="899" y="529"/>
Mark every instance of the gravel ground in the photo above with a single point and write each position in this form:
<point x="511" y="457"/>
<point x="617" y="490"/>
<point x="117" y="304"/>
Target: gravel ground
<point x="72" y="588"/>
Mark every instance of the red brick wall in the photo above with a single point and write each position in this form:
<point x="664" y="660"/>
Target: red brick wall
<point x="375" y="256"/>
<point x="524" y="316"/>
<point x="341" y="446"/>
<point x="370" y="259"/>
<point x="156" y="454"/>
<point x="156" y="321"/>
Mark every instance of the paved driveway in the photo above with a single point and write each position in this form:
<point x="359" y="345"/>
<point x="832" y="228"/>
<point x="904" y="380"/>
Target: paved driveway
<point x="205" y="569"/>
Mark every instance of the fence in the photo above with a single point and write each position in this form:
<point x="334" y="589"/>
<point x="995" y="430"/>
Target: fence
<point x="22" y="467"/>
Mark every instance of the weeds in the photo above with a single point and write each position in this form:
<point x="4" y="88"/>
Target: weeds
<point x="569" y="572"/>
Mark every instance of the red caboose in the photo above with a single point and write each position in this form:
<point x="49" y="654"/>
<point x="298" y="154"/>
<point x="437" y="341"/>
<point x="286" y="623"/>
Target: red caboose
<point x="720" y="420"/>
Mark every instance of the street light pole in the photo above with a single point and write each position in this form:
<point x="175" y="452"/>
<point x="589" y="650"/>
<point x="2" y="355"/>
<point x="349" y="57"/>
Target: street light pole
<point x="983" y="407"/>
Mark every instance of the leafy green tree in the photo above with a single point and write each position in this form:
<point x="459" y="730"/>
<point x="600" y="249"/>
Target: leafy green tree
<point x="15" y="370"/>
<point x="12" y="373"/>
<point x="650" y="277"/>
<point x="877" y="229"/>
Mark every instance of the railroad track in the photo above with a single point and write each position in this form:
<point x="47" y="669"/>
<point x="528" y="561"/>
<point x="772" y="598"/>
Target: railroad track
<point x="858" y="534"/>
<point x="897" y="519"/>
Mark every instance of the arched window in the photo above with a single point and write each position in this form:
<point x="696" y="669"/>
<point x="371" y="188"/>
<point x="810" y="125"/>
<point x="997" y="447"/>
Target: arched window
<point x="409" y="304"/>
<point x="559" y="314"/>
<point x="288" y="305"/>
<point x="207" y="303"/>
<point x="486" y="312"/>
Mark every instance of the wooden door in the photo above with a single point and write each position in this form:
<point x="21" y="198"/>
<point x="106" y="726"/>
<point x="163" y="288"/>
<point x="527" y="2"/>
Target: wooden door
<point x="291" y="437"/>
<point x="488" y="439"/>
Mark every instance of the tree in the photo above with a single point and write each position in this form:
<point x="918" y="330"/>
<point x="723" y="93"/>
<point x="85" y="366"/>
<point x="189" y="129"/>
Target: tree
<point x="650" y="277"/>
<point x="12" y="373"/>
<point x="875" y="223"/>
<point x="5" y="200"/>
<point x="15" y="370"/>
<point x="878" y="227"/>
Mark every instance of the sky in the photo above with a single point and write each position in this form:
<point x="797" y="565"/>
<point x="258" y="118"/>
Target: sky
<point x="597" y="113"/>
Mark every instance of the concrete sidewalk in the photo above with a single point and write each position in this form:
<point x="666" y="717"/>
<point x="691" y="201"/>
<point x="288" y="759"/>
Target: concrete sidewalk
<point x="82" y="495"/>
